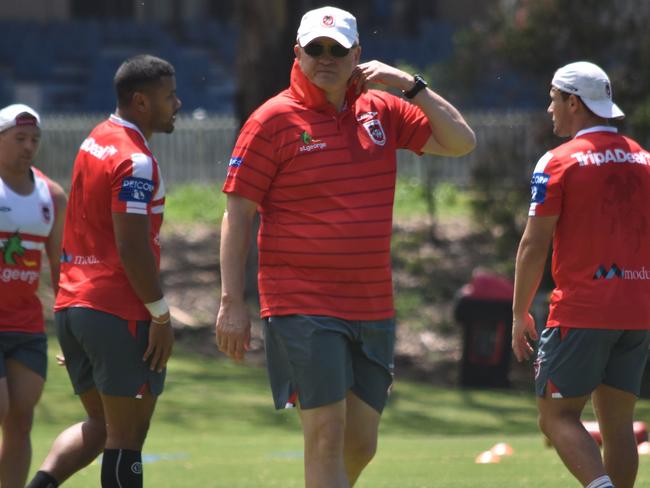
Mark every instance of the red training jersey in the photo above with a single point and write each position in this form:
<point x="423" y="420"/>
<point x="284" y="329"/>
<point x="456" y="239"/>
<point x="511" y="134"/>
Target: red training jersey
<point x="324" y="181"/>
<point x="25" y="224"/>
<point x="599" y="185"/>
<point x="114" y="171"/>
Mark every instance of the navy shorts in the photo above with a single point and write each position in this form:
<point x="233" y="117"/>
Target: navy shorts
<point x="320" y="359"/>
<point x="572" y="362"/>
<point x="104" y="351"/>
<point x="28" y="349"/>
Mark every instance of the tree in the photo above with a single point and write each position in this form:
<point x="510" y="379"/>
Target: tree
<point x="508" y="58"/>
<point x="265" y="51"/>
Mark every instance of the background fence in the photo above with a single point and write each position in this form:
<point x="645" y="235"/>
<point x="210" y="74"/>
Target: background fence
<point x="199" y="149"/>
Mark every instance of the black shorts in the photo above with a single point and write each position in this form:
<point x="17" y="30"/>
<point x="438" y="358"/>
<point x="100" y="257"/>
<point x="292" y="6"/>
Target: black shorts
<point x="26" y="348"/>
<point x="104" y="351"/>
<point x="321" y="358"/>
<point x="572" y="362"/>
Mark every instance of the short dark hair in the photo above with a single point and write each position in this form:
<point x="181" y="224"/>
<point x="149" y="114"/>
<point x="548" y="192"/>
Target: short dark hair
<point x="137" y="73"/>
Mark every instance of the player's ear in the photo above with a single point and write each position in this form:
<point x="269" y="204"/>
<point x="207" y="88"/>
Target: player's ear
<point x="140" y="102"/>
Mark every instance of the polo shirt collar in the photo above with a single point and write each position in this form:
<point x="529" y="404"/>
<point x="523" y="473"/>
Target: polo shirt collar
<point x="596" y="128"/>
<point x="116" y="119"/>
<point x="312" y="96"/>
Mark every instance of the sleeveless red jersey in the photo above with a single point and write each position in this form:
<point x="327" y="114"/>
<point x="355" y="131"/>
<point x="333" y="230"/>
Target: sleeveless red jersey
<point x="599" y="185"/>
<point x="25" y="224"/>
<point x="114" y="171"/>
<point x="325" y="181"/>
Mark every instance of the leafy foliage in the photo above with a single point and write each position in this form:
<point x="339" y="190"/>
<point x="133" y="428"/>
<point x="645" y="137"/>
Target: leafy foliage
<point x="508" y="58"/>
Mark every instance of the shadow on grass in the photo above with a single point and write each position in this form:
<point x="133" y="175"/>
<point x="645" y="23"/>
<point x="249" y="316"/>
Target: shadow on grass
<point x="212" y="391"/>
<point x="206" y="394"/>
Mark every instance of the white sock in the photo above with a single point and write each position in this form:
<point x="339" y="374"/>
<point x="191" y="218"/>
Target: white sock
<point x="602" y="482"/>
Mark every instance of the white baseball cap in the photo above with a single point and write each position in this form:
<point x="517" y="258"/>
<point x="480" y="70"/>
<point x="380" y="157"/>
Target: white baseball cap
<point x="591" y="84"/>
<point x="329" y="22"/>
<point x="18" y="114"/>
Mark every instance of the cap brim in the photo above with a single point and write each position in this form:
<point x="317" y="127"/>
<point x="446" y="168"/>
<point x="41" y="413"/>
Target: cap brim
<point x="9" y="114"/>
<point x="329" y="33"/>
<point x="604" y="108"/>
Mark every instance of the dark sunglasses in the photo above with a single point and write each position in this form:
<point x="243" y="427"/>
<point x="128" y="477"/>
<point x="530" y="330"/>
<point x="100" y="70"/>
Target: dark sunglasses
<point x="315" y="50"/>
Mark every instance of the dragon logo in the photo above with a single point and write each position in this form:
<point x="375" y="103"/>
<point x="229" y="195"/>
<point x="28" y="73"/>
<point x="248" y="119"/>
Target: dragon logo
<point x="308" y="139"/>
<point x="11" y="248"/>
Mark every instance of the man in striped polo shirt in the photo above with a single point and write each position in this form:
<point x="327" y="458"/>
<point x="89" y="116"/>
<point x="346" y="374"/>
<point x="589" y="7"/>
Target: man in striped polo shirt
<point x="318" y="162"/>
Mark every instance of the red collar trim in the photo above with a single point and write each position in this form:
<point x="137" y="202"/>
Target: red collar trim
<point x="311" y="95"/>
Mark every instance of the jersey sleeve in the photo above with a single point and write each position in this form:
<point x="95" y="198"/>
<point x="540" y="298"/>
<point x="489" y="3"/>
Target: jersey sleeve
<point x="133" y="184"/>
<point x="252" y="165"/>
<point x="413" y="129"/>
<point x="546" y="187"/>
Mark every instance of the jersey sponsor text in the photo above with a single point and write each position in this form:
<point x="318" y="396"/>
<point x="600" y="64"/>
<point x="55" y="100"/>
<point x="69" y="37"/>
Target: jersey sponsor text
<point x="611" y="156"/>
<point x="9" y="274"/>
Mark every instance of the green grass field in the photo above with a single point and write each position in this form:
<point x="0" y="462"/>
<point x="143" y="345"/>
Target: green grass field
<point x="183" y="206"/>
<point x="215" y="427"/>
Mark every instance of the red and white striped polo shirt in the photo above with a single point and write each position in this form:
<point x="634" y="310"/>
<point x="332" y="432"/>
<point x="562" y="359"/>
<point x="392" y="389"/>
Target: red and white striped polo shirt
<point x="325" y="181"/>
<point x="25" y="224"/>
<point x="114" y="172"/>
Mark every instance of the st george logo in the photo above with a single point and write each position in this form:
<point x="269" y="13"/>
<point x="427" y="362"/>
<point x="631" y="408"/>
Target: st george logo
<point x="11" y="248"/>
<point x="375" y="131"/>
<point x="47" y="216"/>
<point x="328" y="21"/>
<point x="310" y="144"/>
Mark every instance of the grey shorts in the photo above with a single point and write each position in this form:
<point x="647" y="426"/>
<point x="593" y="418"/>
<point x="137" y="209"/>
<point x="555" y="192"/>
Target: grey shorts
<point x="104" y="351"/>
<point x="28" y="349"/>
<point x="572" y="362"/>
<point x="320" y="359"/>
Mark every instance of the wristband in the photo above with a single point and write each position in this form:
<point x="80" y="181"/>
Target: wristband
<point x="159" y="311"/>
<point x="163" y="320"/>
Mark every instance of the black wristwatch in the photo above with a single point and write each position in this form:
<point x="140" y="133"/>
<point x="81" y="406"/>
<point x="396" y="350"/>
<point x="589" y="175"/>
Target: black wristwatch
<point x="420" y="85"/>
